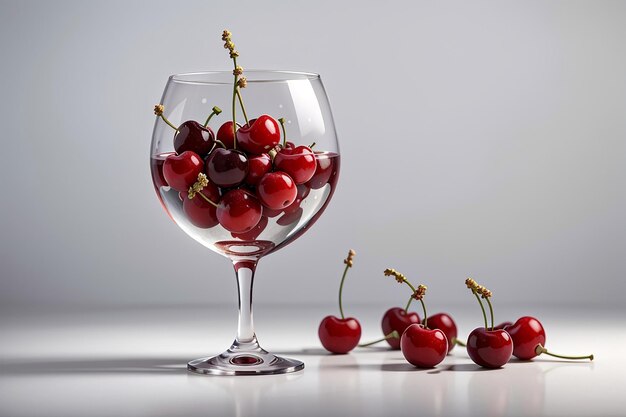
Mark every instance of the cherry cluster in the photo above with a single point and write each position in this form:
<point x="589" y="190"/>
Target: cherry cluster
<point x="244" y="174"/>
<point x="425" y="343"/>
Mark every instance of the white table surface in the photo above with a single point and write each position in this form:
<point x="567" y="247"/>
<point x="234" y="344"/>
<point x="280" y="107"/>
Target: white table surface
<point x="131" y="362"/>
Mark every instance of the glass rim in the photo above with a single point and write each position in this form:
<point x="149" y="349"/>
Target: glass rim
<point x="252" y="75"/>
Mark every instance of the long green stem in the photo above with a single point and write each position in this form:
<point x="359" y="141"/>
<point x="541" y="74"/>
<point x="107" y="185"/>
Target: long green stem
<point x="458" y="342"/>
<point x="406" y="309"/>
<point x="282" y="124"/>
<point x="393" y="335"/>
<point x="343" y="278"/>
<point x="540" y="349"/>
<point x="207" y="199"/>
<point x="233" y="107"/>
<point x="425" y="323"/>
<point x="216" y="110"/>
<point x="482" y="308"/>
<point x="168" y="122"/>
<point x="490" y="311"/>
<point x="243" y="108"/>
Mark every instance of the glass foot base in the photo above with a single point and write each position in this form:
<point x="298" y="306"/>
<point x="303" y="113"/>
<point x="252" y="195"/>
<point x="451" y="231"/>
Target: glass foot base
<point x="244" y="363"/>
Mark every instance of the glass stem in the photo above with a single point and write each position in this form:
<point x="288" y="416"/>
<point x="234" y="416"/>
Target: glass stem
<point x="244" y="271"/>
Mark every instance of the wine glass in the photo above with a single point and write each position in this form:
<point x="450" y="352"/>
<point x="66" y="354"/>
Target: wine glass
<point x="299" y="99"/>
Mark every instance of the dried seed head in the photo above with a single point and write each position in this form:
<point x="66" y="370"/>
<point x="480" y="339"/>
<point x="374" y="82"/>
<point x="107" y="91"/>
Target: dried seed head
<point x="158" y="109"/>
<point x="238" y="70"/>
<point x="486" y="293"/>
<point x="470" y="283"/>
<point x="242" y="82"/>
<point x="198" y="186"/>
<point x="397" y="275"/>
<point x="420" y="292"/>
<point x="226" y="35"/>
<point x="348" y="260"/>
<point x="234" y="53"/>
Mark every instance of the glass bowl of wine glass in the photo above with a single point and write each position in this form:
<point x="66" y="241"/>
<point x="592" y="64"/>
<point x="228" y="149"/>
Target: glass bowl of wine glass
<point x="244" y="180"/>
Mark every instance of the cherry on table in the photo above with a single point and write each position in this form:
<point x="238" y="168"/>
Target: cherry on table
<point x="529" y="340"/>
<point x="181" y="171"/>
<point x="340" y="335"/>
<point x="422" y="347"/>
<point x="489" y="348"/>
<point x="239" y="211"/>
<point x="258" y="135"/>
<point x="227" y="167"/>
<point x="398" y="319"/>
<point x="446" y="324"/>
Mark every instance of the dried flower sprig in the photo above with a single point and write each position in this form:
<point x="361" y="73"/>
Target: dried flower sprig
<point x="486" y="295"/>
<point x="348" y="262"/>
<point x="237" y="72"/>
<point x="158" y="110"/>
<point x="198" y="186"/>
<point x="418" y="293"/>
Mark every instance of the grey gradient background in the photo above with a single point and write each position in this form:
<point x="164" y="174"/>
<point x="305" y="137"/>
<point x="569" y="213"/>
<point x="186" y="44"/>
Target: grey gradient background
<point x="481" y="138"/>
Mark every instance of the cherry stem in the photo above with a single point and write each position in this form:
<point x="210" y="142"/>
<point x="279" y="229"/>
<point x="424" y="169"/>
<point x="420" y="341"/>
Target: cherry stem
<point x="393" y="335"/>
<point x="425" y="323"/>
<point x="168" y="122"/>
<point x="216" y="110"/>
<point x="312" y="145"/>
<point x="233" y="107"/>
<point x="243" y="108"/>
<point x="540" y="349"/>
<point x="456" y="341"/>
<point x="490" y="311"/>
<point x="482" y="308"/>
<point x="207" y="199"/>
<point x="282" y="124"/>
<point x="406" y="309"/>
<point x="343" y="278"/>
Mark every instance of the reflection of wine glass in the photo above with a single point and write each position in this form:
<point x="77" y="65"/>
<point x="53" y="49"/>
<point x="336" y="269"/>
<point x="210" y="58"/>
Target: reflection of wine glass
<point x="300" y="99"/>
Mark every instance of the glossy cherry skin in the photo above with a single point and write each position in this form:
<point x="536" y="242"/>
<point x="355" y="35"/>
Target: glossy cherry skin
<point x="276" y="190"/>
<point x="302" y="191"/>
<point x="489" y="348"/>
<point x="258" y="166"/>
<point x="323" y="172"/>
<point x="527" y="332"/>
<point x="444" y="322"/>
<point x="259" y="135"/>
<point x="181" y="171"/>
<point x="339" y="335"/>
<point x="502" y="326"/>
<point x="226" y="135"/>
<point x="200" y="212"/>
<point x="424" y="348"/>
<point x="299" y="162"/>
<point x="253" y="233"/>
<point x="397" y="319"/>
<point x="239" y="211"/>
<point x="192" y="136"/>
<point x="226" y="167"/>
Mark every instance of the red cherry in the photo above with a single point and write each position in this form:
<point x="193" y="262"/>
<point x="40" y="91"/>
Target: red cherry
<point x="444" y="322"/>
<point x="267" y="212"/>
<point x="339" y="335"/>
<point x="259" y="135"/>
<point x="489" y="348"/>
<point x="253" y="233"/>
<point x="424" y="348"/>
<point x="276" y="190"/>
<point x="226" y="135"/>
<point x="192" y="136"/>
<point x="239" y="211"/>
<point x="299" y="162"/>
<point x="181" y="171"/>
<point x="527" y="333"/>
<point x="396" y="318"/>
<point x="226" y="167"/>
<point x="323" y="172"/>
<point x="302" y="191"/>
<point x="258" y="166"/>
<point x="200" y="212"/>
